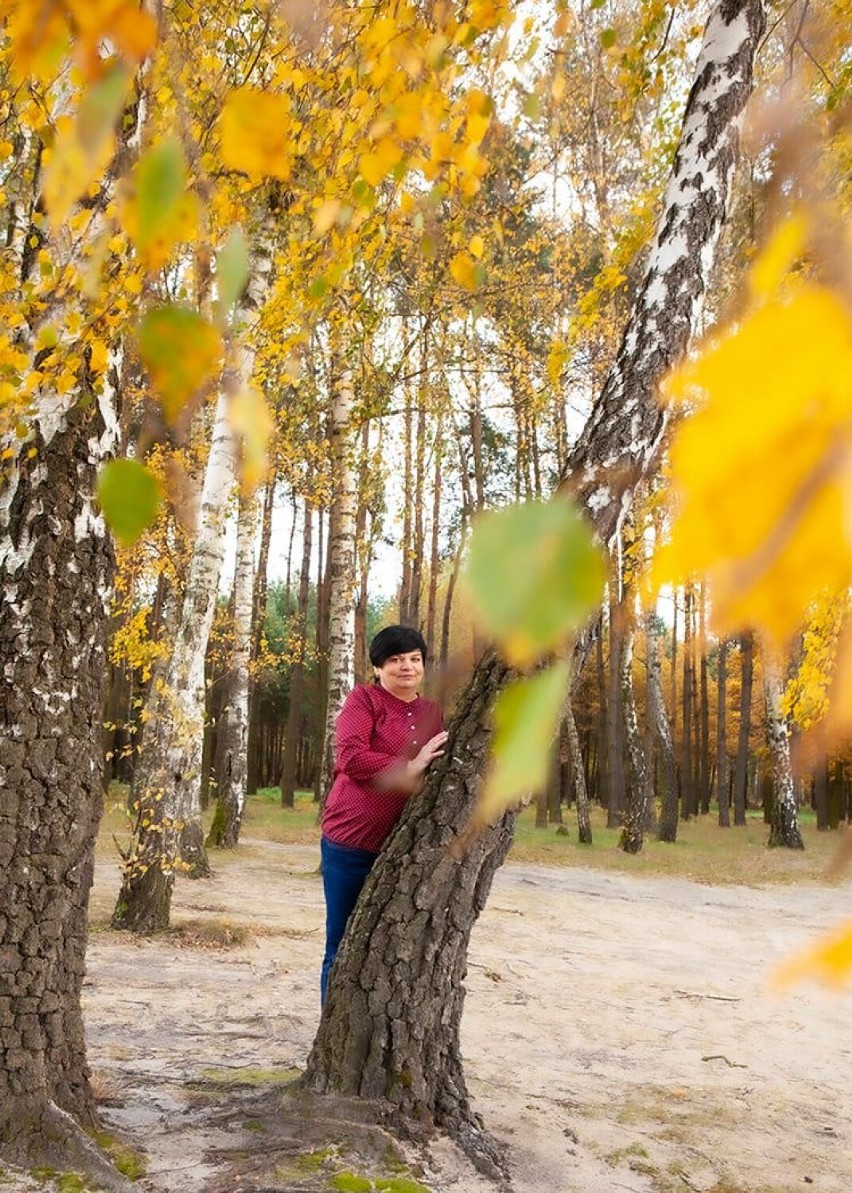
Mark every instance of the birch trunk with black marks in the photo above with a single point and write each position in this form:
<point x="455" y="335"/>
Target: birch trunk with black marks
<point x="168" y="836"/>
<point x="259" y="602"/>
<point x="584" y="820"/>
<point x="342" y="580"/>
<point x="56" y="574"/>
<point x="784" y="822"/>
<point x="632" y="836"/>
<point x="230" y="764"/>
<point x="293" y="731"/>
<point x="390" y="1027"/>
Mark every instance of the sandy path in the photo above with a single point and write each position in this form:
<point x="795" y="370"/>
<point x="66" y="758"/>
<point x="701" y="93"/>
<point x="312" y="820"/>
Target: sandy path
<point x="618" y="1033"/>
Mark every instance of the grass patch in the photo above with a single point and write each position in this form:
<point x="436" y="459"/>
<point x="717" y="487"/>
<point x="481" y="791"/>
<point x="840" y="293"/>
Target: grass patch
<point x="211" y="934"/>
<point x="245" y="1076"/>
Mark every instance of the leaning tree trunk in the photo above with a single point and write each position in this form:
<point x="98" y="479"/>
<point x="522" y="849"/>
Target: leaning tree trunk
<point x="167" y="784"/>
<point x="390" y="1027"/>
<point x="231" y="759"/>
<point x="784" y="823"/>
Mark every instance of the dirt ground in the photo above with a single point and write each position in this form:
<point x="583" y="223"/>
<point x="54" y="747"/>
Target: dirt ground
<point x="619" y="1034"/>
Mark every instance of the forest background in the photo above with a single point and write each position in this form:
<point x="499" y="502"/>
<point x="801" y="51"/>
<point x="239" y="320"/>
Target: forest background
<point x="341" y="253"/>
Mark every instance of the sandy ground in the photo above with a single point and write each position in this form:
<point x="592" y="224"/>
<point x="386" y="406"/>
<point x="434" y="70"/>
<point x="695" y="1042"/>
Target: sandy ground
<point x="618" y="1035"/>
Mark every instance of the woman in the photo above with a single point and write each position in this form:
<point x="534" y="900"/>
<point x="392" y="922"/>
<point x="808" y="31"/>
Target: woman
<point x="386" y="736"/>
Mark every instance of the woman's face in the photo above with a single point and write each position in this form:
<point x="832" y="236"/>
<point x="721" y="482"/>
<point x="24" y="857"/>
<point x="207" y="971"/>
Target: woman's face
<point x="401" y="674"/>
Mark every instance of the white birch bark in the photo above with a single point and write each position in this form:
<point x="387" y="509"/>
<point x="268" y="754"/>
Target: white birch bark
<point x="342" y="572"/>
<point x="784" y="823"/>
<point x="166" y="793"/>
<point x="231" y="762"/>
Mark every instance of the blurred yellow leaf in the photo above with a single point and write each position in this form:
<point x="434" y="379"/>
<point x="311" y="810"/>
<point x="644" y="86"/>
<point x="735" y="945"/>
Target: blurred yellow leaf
<point x="477" y="247"/>
<point x="251" y="421"/>
<point x="787" y="242"/>
<point x="181" y="352"/>
<point x="378" y="163"/>
<point x="256" y="133"/>
<point x="761" y="472"/>
<point x="463" y="269"/>
<point x="827" y="961"/>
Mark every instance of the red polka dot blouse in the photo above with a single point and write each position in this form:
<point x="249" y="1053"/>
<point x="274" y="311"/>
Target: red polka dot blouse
<point x="375" y="730"/>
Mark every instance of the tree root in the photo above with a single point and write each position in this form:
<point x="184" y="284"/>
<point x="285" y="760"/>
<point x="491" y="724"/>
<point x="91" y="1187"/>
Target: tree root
<point x="486" y="1154"/>
<point x="46" y="1137"/>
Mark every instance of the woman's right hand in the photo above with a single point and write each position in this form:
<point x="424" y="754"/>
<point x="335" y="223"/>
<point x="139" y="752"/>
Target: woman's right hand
<point x="432" y="750"/>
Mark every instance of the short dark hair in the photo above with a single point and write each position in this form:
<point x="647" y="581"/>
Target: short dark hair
<point x="396" y="639"/>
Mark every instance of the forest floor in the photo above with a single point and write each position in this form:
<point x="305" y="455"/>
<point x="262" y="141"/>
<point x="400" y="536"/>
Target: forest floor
<point x="620" y="1033"/>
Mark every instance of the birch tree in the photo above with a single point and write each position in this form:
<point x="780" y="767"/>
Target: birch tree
<point x="397" y="1039"/>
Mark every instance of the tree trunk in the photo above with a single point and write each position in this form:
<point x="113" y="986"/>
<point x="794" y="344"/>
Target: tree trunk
<point x="390" y="1027"/>
<point x="230" y="764"/>
<point x="636" y="808"/>
<point x="667" y="827"/>
<point x="289" y="770"/>
<point x="395" y="1038"/>
<point x="741" y="767"/>
<point x="56" y="571"/>
<point x="784" y="824"/>
<point x="687" y="805"/>
<point x="341" y="577"/>
<point x="261" y="591"/>
<point x="616" y="790"/>
<point x="704" y="705"/>
<point x="584" y="822"/>
<point x="722" y="797"/>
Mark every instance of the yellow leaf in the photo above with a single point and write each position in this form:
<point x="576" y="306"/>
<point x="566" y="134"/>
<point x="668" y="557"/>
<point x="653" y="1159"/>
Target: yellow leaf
<point x="558" y="87"/>
<point x="827" y="961"/>
<point x="785" y="245"/>
<point x="761" y="472"/>
<point x="256" y="133"/>
<point x="326" y="216"/>
<point x="477" y="247"/>
<point x="463" y="269"/>
<point x="477" y="127"/>
<point x="377" y="164"/>
<point x="250" y="418"/>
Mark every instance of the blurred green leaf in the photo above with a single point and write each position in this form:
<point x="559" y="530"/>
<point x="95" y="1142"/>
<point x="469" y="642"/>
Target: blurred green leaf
<point x="607" y="38"/>
<point x="181" y="351"/>
<point x="232" y="268"/>
<point x="534" y="573"/>
<point x="101" y="106"/>
<point x="130" y="497"/>
<point x="160" y="182"/>
<point x="526" y="718"/>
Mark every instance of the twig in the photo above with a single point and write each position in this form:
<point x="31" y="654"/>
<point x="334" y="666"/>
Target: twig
<point x="711" y="997"/>
<point x="732" y="1064"/>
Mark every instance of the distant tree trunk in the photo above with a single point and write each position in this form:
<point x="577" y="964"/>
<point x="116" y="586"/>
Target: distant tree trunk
<point x="342" y="583"/>
<point x="636" y="811"/>
<point x="434" y="551"/>
<point x="616" y="793"/>
<point x="721" y="736"/>
<point x="390" y="1027"/>
<point x="667" y="826"/>
<point x="821" y="795"/>
<point x="704" y="724"/>
<point x="407" y="506"/>
<point x="584" y="821"/>
<point x="741" y="767"/>
<point x="603" y="779"/>
<point x="687" y="804"/>
<point x="289" y="772"/>
<point x="322" y="663"/>
<point x="230" y="764"/>
<point x="261" y="593"/>
<point x="363" y="553"/>
<point x="784" y="830"/>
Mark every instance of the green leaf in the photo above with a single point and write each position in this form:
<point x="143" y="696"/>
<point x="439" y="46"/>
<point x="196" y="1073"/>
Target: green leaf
<point x="101" y="107"/>
<point x="160" y="182"/>
<point x="596" y="4"/>
<point x="318" y="289"/>
<point x="534" y="573"/>
<point x="526" y="718"/>
<point x="130" y="497"/>
<point x="607" y="38"/>
<point x="181" y="352"/>
<point x="232" y="268"/>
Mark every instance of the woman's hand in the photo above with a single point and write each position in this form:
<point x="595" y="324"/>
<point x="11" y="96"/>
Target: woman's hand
<point x="408" y="776"/>
<point x="433" y="749"/>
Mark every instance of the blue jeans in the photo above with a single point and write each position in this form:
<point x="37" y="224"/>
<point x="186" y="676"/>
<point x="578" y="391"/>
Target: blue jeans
<point x="344" y="872"/>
